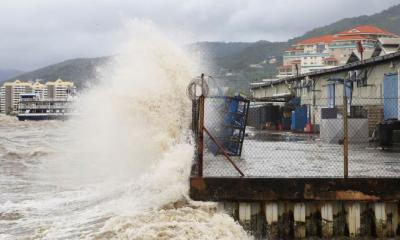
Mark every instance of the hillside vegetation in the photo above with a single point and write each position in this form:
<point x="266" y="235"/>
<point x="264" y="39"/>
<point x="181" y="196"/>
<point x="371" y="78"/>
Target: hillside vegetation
<point x="235" y="63"/>
<point x="80" y="71"/>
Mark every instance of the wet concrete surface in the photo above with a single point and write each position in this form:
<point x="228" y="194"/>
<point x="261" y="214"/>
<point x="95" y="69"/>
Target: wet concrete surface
<point x="287" y="154"/>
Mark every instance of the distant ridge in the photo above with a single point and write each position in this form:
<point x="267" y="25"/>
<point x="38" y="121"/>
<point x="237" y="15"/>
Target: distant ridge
<point x="237" y="62"/>
<point x="9" y="73"/>
<point x="388" y="19"/>
<point x="240" y="61"/>
<point x="80" y="71"/>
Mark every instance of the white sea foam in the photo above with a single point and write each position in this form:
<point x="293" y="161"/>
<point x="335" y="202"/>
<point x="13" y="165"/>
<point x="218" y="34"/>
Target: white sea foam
<point x="112" y="171"/>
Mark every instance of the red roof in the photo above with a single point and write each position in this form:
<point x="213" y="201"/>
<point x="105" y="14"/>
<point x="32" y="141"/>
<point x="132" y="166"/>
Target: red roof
<point x="330" y="59"/>
<point x="284" y="66"/>
<point x="349" y="37"/>
<point x="294" y="49"/>
<point x="320" y="39"/>
<point x="365" y="29"/>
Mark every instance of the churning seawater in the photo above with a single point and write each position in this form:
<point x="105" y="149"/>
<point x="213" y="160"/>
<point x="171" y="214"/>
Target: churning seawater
<point x="120" y="169"/>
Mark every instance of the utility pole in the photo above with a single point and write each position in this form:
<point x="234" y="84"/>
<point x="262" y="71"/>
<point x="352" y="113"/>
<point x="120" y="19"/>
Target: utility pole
<point x="201" y="129"/>
<point x="345" y="133"/>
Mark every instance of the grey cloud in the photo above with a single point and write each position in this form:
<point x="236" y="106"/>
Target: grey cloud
<point x="35" y="33"/>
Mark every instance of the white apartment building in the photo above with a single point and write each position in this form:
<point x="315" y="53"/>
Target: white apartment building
<point x="38" y="88"/>
<point x="59" y="90"/>
<point x="9" y="95"/>
<point x="10" y="92"/>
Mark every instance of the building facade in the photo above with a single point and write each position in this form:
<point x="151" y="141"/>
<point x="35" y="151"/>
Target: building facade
<point x="329" y="51"/>
<point x="367" y="88"/>
<point x="9" y="95"/>
<point x="59" y="90"/>
<point x="10" y="92"/>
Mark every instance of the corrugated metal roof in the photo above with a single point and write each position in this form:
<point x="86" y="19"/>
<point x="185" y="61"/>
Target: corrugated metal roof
<point x="389" y="41"/>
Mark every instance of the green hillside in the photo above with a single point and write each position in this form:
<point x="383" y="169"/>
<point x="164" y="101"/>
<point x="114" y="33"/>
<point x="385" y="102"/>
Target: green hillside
<point x="235" y="63"/>
<point x="388" y="19"/>
<point x="80" y="71"/>
<point x="219" y="49"/>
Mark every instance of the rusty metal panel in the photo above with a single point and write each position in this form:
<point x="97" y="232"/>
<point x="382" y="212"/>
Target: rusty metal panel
<point x="295" y="189"/>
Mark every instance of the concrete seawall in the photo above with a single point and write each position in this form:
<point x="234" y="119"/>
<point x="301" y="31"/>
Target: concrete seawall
<point x="296" y="208"/>
<point x="320" y="219"/>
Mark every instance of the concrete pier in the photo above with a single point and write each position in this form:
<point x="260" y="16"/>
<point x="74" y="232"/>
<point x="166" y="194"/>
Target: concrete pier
<point x="299" y="220"/>
<point x="307" y="208"/>
<point x="329" y="220"/>
<point x="353" y="218"/>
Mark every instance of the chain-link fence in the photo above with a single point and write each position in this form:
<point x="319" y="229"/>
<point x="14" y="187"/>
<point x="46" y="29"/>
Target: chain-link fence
<point x="318" y="137"/>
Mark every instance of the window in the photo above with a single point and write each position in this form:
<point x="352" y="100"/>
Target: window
<point x="320" y="47"/>
<point x="298" y="92"/>
<point x="361" y="78"/>
<point x="308" y="86"/>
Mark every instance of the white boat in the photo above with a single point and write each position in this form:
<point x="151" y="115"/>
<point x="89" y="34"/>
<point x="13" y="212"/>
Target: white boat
<point x="33" y="108"/>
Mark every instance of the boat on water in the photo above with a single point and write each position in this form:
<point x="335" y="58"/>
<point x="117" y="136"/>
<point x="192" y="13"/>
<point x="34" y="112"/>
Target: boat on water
<point x="31" y="107"/>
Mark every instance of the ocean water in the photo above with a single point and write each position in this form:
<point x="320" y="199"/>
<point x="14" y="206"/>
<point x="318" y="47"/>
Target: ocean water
<point x="120" y="169"/>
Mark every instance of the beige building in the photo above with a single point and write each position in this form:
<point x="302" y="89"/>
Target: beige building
<point x="39" y="88"/>
<point x="59" y="89"/>
<point x="9" y="95"/>
<point x="325" y="88"/>
<point x="10" y="92"/>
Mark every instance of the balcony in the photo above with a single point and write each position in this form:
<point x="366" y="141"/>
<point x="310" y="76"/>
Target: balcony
<point x="303" y="54"/>
<point x="350" y="45"/>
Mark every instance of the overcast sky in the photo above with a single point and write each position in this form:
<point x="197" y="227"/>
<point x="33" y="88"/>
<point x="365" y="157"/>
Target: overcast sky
<point x="35" y="33"/>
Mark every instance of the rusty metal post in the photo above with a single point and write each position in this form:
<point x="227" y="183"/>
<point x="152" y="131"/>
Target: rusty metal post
<point x="221" y="148"/>
<point x="345" y="136"/>
<point x="200" y="144"/>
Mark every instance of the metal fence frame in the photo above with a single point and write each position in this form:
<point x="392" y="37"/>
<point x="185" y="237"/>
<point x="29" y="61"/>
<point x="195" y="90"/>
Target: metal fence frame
<point x="201" y="131"/>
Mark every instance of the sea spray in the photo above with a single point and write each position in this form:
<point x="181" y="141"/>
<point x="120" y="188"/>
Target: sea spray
<point x="114" y="170"/>
<point x="151" y="113"/>
<point x="139" y="111"/>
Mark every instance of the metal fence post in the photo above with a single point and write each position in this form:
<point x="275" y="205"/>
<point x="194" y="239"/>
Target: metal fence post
<point x="345" y="137"/>
<point x="200" y="143"/>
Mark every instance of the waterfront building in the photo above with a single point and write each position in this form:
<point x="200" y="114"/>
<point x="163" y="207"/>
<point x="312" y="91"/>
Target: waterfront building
<point x="59" y="89"/>
<point x="9" y="95"/>
<point x="38" y="89"/>
<point x="10" y="92"/>
<point x="329" y="51"/>
<point x="373" y="88"/>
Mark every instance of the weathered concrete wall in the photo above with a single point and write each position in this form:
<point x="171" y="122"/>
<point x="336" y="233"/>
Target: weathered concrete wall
<point x="311" y="219"/>
<point x="370" y="94"/>
<point x="282" y="208"/>
<point x="294" y="189"/>
<point x="375" y="115"/>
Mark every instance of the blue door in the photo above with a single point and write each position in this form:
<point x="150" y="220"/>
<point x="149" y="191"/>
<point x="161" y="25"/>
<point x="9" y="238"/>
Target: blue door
<point x="348" y="91"/>
<point x="391" y="95"/>
<point x="299" y="119"/>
